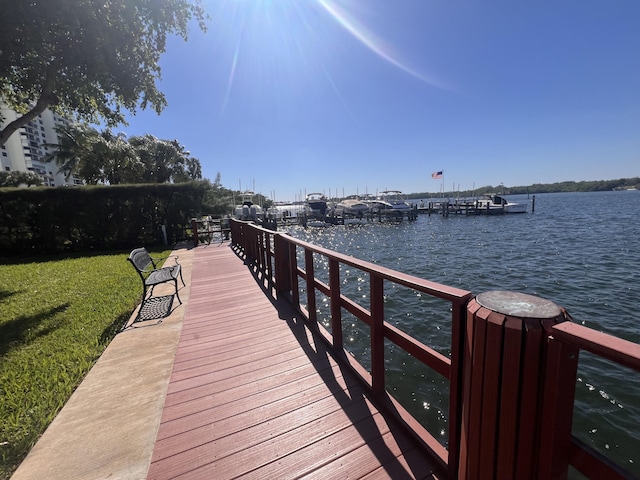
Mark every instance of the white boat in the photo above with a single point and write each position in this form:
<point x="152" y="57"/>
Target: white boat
<point x="282" y="211"/>
<point x="315" y="211"/>
<point x="498" y="204"/>
<point x="389" y="203"/>
<point x="248" y="210"/>
<point x="315" y="206"/>
<point x="352" y="207"/>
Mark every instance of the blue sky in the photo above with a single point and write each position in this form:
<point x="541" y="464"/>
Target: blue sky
<point x="354" y="96"/>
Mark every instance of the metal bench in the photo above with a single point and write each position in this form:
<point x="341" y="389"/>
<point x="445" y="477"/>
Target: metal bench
<point x="151" y="275"/>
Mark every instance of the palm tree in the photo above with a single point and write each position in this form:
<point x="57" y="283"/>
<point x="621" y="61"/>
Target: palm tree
<point x="118" y="159"/>
<point x="75" y="142"/>
<point x="107" y="158"/>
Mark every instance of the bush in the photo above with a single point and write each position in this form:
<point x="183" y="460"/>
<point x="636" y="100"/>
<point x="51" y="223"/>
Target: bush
<point x="44" y="220"/>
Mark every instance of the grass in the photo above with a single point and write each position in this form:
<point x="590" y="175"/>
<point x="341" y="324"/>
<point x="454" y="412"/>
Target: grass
<point x="57" y="316"/>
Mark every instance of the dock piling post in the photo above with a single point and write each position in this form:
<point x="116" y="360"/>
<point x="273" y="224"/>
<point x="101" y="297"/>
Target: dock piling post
<point x="506" y="387"/>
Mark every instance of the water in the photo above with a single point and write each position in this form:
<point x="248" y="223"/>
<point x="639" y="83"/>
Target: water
<point x="580" y="250"/>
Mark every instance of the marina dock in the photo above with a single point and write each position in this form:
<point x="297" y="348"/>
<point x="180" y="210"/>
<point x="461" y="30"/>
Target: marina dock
<point x="492" y="205"/>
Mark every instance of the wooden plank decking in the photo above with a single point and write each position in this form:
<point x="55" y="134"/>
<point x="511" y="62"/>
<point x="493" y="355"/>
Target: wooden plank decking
<point x="253" y="395"/>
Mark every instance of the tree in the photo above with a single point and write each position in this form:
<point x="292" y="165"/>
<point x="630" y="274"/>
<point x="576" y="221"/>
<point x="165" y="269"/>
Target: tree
<point x="95" y="157"/>
<point x="75" y="142"/>
<point x="113" y="161"/>
<point x="102" y="157"/>
<point x="192" y="171"/>
<point x="16" y="179"/>
<point x="89" y="57"/>
<point x="165" y="160"/>
<point x="218" y="199"/>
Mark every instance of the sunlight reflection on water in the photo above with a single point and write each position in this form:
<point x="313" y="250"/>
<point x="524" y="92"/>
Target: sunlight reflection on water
<point x="580" y="250"/>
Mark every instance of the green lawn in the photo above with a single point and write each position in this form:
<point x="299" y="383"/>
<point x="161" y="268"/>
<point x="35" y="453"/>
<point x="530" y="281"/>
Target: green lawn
<point x="57" y="315"/>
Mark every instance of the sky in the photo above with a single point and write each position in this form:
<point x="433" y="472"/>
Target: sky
<point x="343" y="97"/>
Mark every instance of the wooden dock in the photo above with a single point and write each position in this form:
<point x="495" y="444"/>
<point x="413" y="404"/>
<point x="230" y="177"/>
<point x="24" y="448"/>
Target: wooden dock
<point x="512" y="369"/>
<point x="458" y="207"/>
<point x="254" y="393"/>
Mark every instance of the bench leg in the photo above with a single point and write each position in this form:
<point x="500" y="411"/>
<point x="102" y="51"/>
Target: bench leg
<point x="176" y="282"/>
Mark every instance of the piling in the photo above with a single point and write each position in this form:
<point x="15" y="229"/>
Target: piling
<point x="509" y="401"/>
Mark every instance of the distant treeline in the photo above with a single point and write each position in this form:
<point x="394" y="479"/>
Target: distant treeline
<point x="584" y="186"/>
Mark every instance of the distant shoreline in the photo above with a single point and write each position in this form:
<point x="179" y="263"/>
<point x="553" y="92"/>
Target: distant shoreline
<point x="632" y="183"/>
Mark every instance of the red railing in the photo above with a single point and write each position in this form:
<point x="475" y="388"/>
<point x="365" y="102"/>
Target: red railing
<point x="511" y="380"/>
<point x="570" y="337"/>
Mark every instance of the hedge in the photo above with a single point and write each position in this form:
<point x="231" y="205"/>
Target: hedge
<point x="45" y="220"/>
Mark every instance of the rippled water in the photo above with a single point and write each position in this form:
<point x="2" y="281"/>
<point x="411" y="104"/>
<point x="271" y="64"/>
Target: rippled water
<point x="580" y="250"/>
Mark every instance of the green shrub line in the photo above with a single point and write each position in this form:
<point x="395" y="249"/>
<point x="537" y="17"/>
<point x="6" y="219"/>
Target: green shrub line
<point x="59" y="313"/>
<point x="35" y="221"/>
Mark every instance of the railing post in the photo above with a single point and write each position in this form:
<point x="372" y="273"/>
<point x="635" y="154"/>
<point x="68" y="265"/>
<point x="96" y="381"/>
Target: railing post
<point x="458" y="322"/>
<point x="311" y="289"/>
<point x="504" y="379"/>
<point x="559" y="395"/>
<point x="260" y="252"/>
<point x="251" y="242"/>
<point x="235" y="233"/>
<point x="282" y="274"/>
<point x="377" y="334"/>
<point x="336" y="309"/>
<point x="267" y="256"/>
<point x="292" y="264"/>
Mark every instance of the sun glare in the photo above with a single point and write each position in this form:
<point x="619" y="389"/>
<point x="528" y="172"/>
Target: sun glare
<point x="371" y="41"/>
<point x="279" y="46"/>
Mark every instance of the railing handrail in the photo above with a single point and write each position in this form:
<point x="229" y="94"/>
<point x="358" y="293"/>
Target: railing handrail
<point x="602" y="344"/>
<point x="245" y="234"/>
<point x="571" y="335"/>
<point x="435" y="289"/>
<point x="617" y="350"/>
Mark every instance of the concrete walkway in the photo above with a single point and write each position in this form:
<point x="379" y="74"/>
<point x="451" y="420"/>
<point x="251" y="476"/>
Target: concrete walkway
<point x="108" y="427"/>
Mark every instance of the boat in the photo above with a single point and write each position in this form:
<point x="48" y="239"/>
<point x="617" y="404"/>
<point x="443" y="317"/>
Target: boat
<point x="352" y="207"/>
<point x="389" y="203"/>
<point x="315" y="206"/>
<point x="248" y="210"/>
<point x="498" y="204"/>
<point x="284" y="211"/>
<point x="315" y="211"/>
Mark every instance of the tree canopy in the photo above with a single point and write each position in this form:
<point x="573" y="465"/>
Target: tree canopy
<point x="17" y="179"/>
<point x="104" y="158"/>
<point x="91" y="58"/>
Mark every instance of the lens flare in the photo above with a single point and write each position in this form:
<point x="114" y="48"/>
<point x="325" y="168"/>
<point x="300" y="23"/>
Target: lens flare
<point x="374" y="43"/>
<point x="232" y="74"/>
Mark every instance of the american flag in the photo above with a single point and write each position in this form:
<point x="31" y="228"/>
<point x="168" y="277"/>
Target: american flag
<point x="437" y="174"/>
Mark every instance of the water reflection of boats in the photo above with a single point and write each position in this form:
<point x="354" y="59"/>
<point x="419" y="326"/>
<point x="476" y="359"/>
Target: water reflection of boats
<point x="498" y="204"/>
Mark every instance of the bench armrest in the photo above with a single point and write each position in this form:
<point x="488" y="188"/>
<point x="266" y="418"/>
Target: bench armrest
<point x="158" y="259"/>
<point x="151" y="270"/>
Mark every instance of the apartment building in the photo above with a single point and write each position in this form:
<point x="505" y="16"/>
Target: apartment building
<point x="26" y="149"/>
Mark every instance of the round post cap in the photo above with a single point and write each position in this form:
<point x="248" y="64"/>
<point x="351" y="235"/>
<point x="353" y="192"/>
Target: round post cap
<point x="518" y="304"/>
